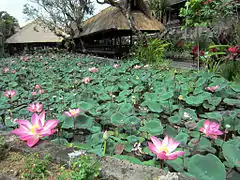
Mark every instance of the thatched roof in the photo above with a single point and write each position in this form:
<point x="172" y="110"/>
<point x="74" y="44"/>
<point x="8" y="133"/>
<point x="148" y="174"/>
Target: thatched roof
<point x="33" y="33"/>
<point x="112" y="18"/>
<point x="173" y="2"/>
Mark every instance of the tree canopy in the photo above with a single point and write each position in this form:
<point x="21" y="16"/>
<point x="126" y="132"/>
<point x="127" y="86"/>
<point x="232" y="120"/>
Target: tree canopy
<point x="63" y="17"/>
<point x="8" y="26"/>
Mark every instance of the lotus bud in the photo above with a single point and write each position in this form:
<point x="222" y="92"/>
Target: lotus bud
<point x="105" y="135"/>
<point x="180" y="97"/>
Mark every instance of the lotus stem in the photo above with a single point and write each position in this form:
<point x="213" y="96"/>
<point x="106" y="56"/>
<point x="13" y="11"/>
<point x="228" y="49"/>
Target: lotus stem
<point x="104" y="147"/>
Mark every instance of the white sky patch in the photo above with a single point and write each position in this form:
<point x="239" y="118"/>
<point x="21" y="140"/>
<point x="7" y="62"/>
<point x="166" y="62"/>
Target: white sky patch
<point x="15" y="8"/>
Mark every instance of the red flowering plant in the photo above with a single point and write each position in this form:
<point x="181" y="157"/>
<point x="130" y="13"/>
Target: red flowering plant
<point x="203" y="12"/>
<point x="214" y="57"/>
<point x="234" y="52"/>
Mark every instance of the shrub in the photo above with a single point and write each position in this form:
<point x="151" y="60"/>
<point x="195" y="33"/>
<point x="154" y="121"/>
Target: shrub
<point x="85" y="167"/>
<point x="231" y="70"/>
<point x="151" y="52"/>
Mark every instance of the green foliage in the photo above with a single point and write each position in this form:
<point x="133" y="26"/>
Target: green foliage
<point x="58" y="16"/>
<point x="131" y="104"/>
<point x="230" y="70"/>
<point x="3" y="148"/>
<point x="8" y="26"/>
<point x="202" y="12"/>
<point x="36" y="167"/>
<point x="85" y="167"/>
<point x="207" y="167"/>
<point x="159" y="8"/>
<point x="152" y="52"/>
<point x="231" y="152"/>
<point x="214" y="60"/>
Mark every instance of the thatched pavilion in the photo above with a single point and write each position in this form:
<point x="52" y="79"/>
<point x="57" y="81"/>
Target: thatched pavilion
<point x="32" y="35"/>
<point x="106" y="32"/>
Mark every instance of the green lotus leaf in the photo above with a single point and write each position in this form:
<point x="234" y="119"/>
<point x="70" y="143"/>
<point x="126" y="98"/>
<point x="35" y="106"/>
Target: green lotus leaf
<point x="235" y="87"/>
<point x="212" y="115"/>
<point x="176" y="119"/>
<point x="104" y="97"/>
<point x="192" y="114"/>
<point x="125" y="108"/>
<point x="231" y="151"/>
<point x="132" y="139"/>
<point x="204" y="145"/>
<point x="232" y="102"/>
<point x="201" y="81"/>
<point x="182" y="138"/>
<point x="154" y="127"/>
<point x="154" y="106"/>
<point x="166" y="95"/>
<point x="133" y="120"/>
<point x="207" y="167"/>
<point x="176" y="164"/>
<point x="198" y="99"/>
<point x="85" y="106"/>
<point x="118" y="119"/>
<point x="214" y="100"/>
<point x="68" y="123"/>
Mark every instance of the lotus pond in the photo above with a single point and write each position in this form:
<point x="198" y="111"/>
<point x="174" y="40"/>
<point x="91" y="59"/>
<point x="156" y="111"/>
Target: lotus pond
<point x="196" y="113"/>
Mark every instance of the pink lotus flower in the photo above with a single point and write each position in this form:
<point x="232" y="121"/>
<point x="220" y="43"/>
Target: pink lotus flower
<point x="34" y="131"/>
<point x="211" y="129"/>
<point x="6" y="70"/>
<point x="41" y="91"/>
<point x="34" y="93"/>
<point x="35" y="107"/>
<point x="164" y="149"/>
<point x="116" y="66"/>
<point x="213" y="88"/>
<point x="137" y="67"/>
<point x="14" y="71"/>
<point x="10" y="93"/>
<point x="37" y="86"/>
<point x="93" y="69"/>
<point x="91" y="62"/>
<point x="86" y="80"/>
<point x="72" y="112"/>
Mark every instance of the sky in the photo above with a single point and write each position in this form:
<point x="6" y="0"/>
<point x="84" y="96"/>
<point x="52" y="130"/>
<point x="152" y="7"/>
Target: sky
<point x="15" y="8"/>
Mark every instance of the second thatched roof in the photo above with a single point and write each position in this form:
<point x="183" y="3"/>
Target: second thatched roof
<point x="33" y="33"/>
<point x="112" y="18"/>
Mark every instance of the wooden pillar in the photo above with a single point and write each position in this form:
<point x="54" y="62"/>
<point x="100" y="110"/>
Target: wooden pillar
<point x="120" y="41"/>
<point x="131" y="39"/>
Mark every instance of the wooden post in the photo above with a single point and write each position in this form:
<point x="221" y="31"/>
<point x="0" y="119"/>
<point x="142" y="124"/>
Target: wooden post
<point x="198" y="65"/>
<point x="120" y="41"/>
<point x="131" y="39"/>
<point x="115" y="42"/>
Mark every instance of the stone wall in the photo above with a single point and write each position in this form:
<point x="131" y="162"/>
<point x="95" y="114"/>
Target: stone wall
<point x="111" y="168"/>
